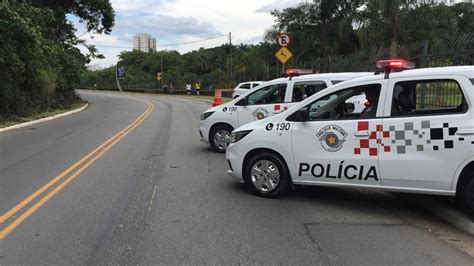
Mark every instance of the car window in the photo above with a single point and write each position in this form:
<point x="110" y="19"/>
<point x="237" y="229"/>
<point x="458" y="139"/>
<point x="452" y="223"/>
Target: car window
<point x="427" y="97"/>
<point x="245" y="86"/>
<point x="267" y="95"/>
<point x="255" y="85"/>
<point x="304" y="89"/>
<point x="359" y="102"/>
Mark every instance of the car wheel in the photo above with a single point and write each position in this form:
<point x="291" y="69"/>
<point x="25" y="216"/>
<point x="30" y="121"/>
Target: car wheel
<point x="266" y="175"/>
<point x="220" y="137"/>
<point x="467" y="195"/>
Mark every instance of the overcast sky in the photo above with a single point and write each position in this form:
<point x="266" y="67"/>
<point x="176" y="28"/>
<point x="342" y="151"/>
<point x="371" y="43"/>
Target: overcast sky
<point x="178" y="21"/>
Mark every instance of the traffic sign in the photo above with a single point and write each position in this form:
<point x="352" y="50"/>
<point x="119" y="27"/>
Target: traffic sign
<point x="283" y="55"/>
<point x="283" y="39"/>
<point x="121" y="72"/>
<point x="158" y="75"/>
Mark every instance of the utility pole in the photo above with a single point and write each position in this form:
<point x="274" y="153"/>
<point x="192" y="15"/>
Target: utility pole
<point x="161" y="70"/>
<point x="231" y="66"/>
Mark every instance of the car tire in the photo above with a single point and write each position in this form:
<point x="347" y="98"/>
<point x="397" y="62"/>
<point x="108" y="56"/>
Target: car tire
<point x="266" y="175"/>
<point x="467" y="195"/>
<point x="218" y="137"/>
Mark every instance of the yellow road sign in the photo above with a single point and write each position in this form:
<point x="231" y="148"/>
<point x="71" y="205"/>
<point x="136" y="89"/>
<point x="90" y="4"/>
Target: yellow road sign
<point x="283" y="55"/>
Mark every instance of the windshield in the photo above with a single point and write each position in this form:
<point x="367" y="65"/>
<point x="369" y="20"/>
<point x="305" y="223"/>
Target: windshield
<point x="268" y="95"/>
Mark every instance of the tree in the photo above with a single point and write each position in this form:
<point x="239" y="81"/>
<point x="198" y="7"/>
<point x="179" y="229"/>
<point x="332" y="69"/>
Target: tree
<point x="39" y="63"/>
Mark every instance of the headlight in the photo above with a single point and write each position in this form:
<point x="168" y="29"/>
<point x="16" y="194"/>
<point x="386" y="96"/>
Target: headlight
<point x="236" y="136"/>
<point x="206" y="115"/>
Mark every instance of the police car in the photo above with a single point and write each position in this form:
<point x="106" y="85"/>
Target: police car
<point x="270" y="98"/>
<point x="416" y="134"/>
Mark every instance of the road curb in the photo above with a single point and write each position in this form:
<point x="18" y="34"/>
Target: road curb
<point x="440" y="208"/>
<point x="34" y="122"/>
<point x="452" y="216"/>
<point x="202" y="100"/>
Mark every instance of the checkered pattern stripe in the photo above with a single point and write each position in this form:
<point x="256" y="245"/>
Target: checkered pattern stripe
<point x="371" y="144"/>
<point x="411" y="137"/>
<point x="424" y="137"/>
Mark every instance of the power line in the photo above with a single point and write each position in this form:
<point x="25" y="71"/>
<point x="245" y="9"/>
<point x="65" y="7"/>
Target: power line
<point x="202" y="40"/>
<point x="167" y="45"/>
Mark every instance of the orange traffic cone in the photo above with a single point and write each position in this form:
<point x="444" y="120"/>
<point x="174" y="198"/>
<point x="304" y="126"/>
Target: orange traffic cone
<point x="217" y="97"/>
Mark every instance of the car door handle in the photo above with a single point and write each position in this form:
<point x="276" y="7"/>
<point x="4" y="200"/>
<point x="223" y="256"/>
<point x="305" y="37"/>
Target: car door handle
<point x="465" y="132"/>
<point x="362" y="134"/>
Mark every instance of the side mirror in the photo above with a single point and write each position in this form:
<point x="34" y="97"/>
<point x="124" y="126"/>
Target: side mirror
<point x="242" y="102"/>
<point x="299" y="116"/>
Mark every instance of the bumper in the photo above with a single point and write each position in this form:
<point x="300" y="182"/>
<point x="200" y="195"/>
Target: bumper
<point x="235" y="157"/>
<point x="204" y="132"/>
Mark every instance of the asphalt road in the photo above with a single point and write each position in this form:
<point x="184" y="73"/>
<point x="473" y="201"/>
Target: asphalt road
<point x="154" y="194"/>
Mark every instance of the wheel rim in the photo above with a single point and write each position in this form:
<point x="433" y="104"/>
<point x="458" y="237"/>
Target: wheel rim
<point x="265" y="176"/>
<point x="221" y="139"/>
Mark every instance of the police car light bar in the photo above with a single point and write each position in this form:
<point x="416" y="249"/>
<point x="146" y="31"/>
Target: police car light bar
<point x="395" y="64"/>
<point x="392" y="65"/>
<point x="297" y="72"/>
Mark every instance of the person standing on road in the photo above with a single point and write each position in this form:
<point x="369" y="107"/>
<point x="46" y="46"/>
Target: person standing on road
<point x="188" y="89"/>
<point x="197" y="87"/>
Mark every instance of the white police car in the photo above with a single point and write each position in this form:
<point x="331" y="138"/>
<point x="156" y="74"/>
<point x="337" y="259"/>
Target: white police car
<point x="416" y="134"/>
<point x="270" y="98"/>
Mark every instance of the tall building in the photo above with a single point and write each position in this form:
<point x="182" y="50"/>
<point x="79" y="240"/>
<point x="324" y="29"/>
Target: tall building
<point x="453" y="2"/>
<point x="144" y="42"/>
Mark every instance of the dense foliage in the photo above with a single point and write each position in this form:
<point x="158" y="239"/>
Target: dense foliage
<point x="40" y="65"/>
<point x="319" y="29"/>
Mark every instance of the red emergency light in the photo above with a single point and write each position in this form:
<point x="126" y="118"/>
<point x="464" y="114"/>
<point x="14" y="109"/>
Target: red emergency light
<point x="292" y="72"/>
<point x="395" y="64"/>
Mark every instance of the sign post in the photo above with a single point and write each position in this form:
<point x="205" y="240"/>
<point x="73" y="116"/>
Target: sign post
<point x="283" y="40"/>
<point x="284" y="54"/>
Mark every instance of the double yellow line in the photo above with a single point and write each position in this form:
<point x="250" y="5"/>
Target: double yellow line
<point x="58" y="183"/>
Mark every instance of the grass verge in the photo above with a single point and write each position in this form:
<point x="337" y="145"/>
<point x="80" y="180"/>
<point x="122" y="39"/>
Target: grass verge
<point x="19" y="120"/>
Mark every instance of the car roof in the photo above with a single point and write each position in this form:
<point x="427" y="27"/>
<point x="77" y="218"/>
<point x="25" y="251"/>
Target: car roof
<point x="467" y="71"/>
<point x="250" y="82"/>
<point x="332" y="76"/>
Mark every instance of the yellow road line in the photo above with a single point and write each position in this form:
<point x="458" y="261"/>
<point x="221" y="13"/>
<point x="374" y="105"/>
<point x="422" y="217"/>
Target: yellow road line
<point x="105" y="147"/>
<point x="53" y="181"/>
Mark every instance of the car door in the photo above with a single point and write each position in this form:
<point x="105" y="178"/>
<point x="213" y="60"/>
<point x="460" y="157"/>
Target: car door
<point x="262" y="103"/>
<point x="425" y="143"/>
<point x="336" y="145"/>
